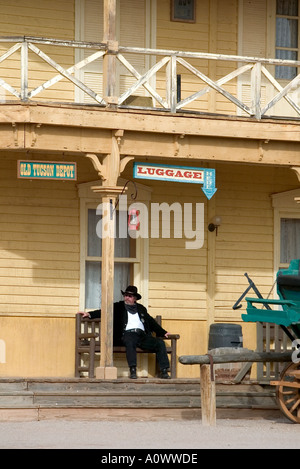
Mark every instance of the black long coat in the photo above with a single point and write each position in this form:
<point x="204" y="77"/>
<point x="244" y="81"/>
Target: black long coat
<point x="121" y="318"/>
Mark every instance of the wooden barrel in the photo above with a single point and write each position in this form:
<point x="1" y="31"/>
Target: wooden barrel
<point x="225" y="335"/>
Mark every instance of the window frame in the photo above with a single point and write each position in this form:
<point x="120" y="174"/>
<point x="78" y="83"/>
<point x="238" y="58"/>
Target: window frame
<point x="183" y="15"/>
<point x="140" y="262"/>
<point x="286" y="48"/>
<point x="287" y="218"/>
<point x="285" y="206"/>
<point x="134" y="262"/>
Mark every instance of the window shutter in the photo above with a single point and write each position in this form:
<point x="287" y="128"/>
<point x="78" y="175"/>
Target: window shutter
<point x="254" y="43"/>
<point x="254" y="28"/>
<point x="131" y="31"/>
<point x="132" y="34"/>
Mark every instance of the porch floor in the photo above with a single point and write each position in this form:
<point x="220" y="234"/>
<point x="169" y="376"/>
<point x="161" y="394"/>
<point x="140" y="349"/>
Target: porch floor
<point x="144" y="398"/>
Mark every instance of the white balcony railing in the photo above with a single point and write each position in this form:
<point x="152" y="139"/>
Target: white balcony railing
<point x="248" y="88"/>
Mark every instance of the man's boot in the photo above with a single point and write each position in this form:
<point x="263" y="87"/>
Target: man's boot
<point x="164" y="374"/>
<point x="133" y="372"/>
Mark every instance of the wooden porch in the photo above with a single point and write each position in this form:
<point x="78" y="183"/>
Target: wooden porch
<point x="77" y="398"/>
<point x="164" y="65"/>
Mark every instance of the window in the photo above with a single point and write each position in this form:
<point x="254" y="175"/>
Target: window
<point x="131" y="255"/>
<point x="286" y="228"/>
<point x="183" y="10"/>
<point x="286" y="37"/>
<point x="125" y="260"/>
<point x="289" y="239"/>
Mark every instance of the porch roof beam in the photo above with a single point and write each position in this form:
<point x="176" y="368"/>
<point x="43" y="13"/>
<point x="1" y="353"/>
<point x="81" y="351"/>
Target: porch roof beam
<point x="157" y="122"/>
<point x="155" y="135"/>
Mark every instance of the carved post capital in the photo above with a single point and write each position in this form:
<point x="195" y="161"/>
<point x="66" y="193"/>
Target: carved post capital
<point x="297" y="171"/>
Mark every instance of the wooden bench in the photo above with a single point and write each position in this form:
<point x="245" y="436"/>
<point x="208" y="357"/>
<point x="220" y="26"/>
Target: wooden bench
<point x="87" y="342"/>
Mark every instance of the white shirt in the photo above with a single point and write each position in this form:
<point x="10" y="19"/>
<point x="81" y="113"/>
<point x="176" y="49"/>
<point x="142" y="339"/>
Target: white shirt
<point x="134" y="322"/>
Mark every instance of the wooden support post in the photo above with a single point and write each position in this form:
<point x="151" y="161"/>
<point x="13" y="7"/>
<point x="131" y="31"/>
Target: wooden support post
<point x="109" y="171"/>
<point x="208" y="395"/>
<point x="109" y="59"/>
<point x="107" y="370"/>
<point x="107" y="281"/>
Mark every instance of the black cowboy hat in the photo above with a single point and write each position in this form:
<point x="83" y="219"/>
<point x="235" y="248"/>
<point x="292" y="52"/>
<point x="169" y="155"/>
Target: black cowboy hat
<point x="133" y="291"/>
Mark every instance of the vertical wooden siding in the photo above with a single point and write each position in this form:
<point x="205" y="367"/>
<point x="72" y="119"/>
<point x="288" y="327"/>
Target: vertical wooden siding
<point x="244" y="243"/>
<point x="39" y="256"/>
<point x="177" y="275"/>
<point x="36" y="18"/>
<point x="50" y="19"/>
<point x="178" y="288"/>
<point x="215" y="30"/>
<point x="39" y="248"/>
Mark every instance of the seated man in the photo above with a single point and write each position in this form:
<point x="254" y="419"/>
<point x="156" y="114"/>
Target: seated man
<point x="133" y="326"/>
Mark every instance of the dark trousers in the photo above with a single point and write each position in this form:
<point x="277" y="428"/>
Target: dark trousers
<point x="132" y="340"/>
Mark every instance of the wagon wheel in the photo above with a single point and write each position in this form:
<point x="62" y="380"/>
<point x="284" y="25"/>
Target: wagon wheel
<point x="288" y="394"/>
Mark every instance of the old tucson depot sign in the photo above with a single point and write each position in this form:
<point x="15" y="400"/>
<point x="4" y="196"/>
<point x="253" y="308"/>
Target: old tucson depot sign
<point x="47" y="170"/>
<point x="203" y="176"/>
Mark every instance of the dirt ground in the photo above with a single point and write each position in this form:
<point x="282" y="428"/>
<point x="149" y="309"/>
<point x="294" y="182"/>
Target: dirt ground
<point x="257" y="433"/>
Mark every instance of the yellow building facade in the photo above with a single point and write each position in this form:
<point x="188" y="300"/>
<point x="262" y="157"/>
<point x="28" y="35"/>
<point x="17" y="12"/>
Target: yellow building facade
<point x="49" y="253"/>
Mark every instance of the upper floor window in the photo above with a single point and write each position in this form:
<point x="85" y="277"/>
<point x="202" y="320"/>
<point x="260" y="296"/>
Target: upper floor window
<point x="287" y="44"/>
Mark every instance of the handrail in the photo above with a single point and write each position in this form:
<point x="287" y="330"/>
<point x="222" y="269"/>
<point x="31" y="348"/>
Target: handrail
<point x="163" y="63"/>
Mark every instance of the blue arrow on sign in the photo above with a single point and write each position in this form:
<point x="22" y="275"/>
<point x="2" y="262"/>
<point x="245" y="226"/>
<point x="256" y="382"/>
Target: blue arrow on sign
<point x="209" y="185"/>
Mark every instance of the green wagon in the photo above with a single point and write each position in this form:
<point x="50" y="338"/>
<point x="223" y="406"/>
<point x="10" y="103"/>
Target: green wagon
<point x="284" y="311"/>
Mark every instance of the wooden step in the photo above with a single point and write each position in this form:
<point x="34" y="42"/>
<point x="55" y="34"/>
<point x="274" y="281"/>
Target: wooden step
<point x="16" y="399"/>
<point x="127" y="394"/>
